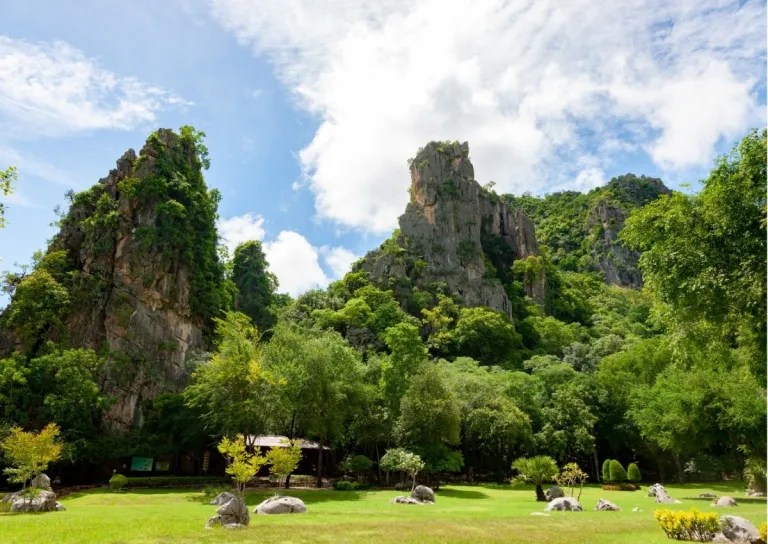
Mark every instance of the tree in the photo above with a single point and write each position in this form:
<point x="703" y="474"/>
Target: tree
<point x="255" y="284"/>
<point x="242" y="465"/>
<point x="7" y="178"/>
<point x="535" y="470"/>
<point x="403" y="460"/>
<point x="407" y="355"/>
<point x="358" y="465"/>
<point x="487" y="336"/>
<point x="284" y="460"/>
<point x="30" y="453"/>
<point x="231" y="389"/>
<point x="606" y="470"/>
<point x="571" y="476"/>
<point x="618" y="474"/>
<point x="633" y="473"/>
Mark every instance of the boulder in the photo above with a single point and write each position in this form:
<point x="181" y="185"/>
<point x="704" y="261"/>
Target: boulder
<point x="231" y="513"/>
<point x="725" y="501"/>
<point x="607" y="506"/>
<point x="223" y="498"/>
<point x="41" y="481"/>
<point x="423" y="493"/>
<point x="60" y="507"/>
<point x="280" y="504"/>
<point x="554" y="492"/>
<point x="738" y="529"/>
<point x="706" y="496"/>
<point x="44" y="501"/>
<point x="662" y="496"/>
<point x="407" y="500"/>
<point x="653" y="488"/>
<point x="564" y="504"/>
<point x="755" y="494"/>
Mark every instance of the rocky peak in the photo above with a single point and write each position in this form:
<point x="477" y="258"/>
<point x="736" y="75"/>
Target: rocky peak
<point x="447" y="225"/>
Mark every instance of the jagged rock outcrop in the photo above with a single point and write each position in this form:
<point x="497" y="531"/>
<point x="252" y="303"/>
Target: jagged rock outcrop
<point x="451" y="232"/>
<point x="136" y="254"/>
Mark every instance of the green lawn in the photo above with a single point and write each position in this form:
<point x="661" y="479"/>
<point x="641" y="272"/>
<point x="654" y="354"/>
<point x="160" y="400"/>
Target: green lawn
<point x="461" y="514"/>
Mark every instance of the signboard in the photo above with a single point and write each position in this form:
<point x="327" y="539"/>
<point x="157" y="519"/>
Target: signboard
<point x="141" y="464"/>
<point x="162" y="466"/>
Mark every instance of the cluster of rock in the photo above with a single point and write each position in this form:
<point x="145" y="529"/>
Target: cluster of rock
<point x="42" y="500"/>
<point x="660" y="493"/>
<point x="233" y="513"/>
<point x="421" y="494"/>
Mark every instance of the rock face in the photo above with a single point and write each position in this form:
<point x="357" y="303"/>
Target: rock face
<point x="41" y="481"/>
<point x="725" y="501"/>
<point x="737" y="529"/>
<point x="554" y="492"/>
<point x="223" y="498"/>
<point x="453" y="230"/>
<point x="564" y="504"/>
<point x="134" y="245"/>
<point x="423" y="493"/>
<point x="231" y="515"/>
<point x="605" y="505"/>
<point x="281" y="505"/>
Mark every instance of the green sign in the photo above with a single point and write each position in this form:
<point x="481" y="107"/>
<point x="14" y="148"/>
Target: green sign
<point x="141" y="464"/>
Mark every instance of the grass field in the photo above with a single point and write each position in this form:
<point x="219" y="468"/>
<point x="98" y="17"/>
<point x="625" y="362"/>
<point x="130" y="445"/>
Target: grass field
<point x="461" y="514"/>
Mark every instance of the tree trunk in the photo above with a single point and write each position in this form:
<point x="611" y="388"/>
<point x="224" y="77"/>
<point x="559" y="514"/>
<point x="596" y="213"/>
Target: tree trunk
<point x="679" y="465"/>
<point x="378" y="466"/>
<point x="597" y="465"/>
<point x="320" y="464"/>
<point x="540" y="493"/>
<point x="290" y="437"/>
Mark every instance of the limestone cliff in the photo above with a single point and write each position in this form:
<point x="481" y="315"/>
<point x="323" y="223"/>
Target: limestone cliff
<point x="452" y="231"/>
<point x="142" y="271"/>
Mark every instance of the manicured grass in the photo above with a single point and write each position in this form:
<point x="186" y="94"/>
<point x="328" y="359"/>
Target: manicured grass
<point x="461" y="514"/>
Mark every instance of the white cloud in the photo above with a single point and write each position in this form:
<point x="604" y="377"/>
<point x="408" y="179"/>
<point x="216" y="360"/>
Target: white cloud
<point x="291" y="257"/>
<point x="338" y="259"/>
<point x="53" y="89"/>
<point x="242" y="228"/>
<point x="295" y="262"/>
<point x="533" y="86"/>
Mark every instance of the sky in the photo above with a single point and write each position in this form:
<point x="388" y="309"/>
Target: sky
<point x="312" y="107"/>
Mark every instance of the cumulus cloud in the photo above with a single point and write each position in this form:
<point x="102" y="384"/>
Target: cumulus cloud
<point x="291" y="257"/>
<point x="533" y="86"/>
<point x="54" y="89"/>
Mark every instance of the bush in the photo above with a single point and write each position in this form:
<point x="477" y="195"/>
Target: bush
<point x="633" y="473"/>
<point x="693" y="525"/>
<point x="117" y="482"/>
<point x="618" y="474"/>
<point x="359" y="463"/>
<point x="607" y="470"/>
<point x="764" y="532"/>
<point x="621" y="486"/>
<point x="344" y="485"/>
<point x="176" y="481"/>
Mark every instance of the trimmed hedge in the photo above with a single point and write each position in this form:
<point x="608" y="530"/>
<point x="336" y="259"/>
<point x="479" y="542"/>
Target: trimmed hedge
<point x="176" y="481"/>
<point x="607" y="470"/>
<point x="633" y="473"/>
<point x="618" y="474"/>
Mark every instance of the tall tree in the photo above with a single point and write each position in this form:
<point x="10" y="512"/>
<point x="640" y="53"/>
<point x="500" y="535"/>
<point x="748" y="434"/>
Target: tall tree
<point x="7" y="179"/>
<point x="255" y="284"/>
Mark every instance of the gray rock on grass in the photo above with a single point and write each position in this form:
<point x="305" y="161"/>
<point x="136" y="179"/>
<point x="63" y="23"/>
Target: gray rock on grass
<point x="281" y="504"/>
<point x="44" y="501"/>
<point x="231" y="514"/>
<point x="706" y="496"/>
<point x="737" y="529"/>
<point x="407" y="500"/>
<point x="423" y="493"/>
<point x="606" y="506"/>
<point x="564" y="504"/>
<point x="554" y="492"/>
<point x="725" y="501"/>
<point x="41" y="481"/>
<point x="223" y="498"/>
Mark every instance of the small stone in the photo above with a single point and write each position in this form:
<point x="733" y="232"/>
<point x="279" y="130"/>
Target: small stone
<point x="539" y="514"/>
<point x="60" y="507"/>
<point x="706" y="496"/>
<point x="423" y="493"/>
<point x="678" y="502"/>
<point x="637" y="509"/>
<point x="280" y="504"/>
<point x="724" y="501"/>
<point x="606" y="506"/>
<point x="564" y="504"/>
<point x="755" y="494"/>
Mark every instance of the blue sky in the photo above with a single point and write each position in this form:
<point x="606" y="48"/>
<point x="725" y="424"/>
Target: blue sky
<point x="311" y="108"/>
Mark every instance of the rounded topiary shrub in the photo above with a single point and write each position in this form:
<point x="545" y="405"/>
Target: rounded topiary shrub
<point x="117" y="482"/>
<point x="633" y="473"/>
<point x="618" y="474"/>
<point x="607" y="470"/>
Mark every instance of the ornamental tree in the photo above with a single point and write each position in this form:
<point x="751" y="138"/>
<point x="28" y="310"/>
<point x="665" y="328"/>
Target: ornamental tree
<point x="243" y="465"/>
<point x="30" y="453"/>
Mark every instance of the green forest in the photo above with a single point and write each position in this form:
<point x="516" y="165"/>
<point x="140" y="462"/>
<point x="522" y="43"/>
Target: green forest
<point x="649" y="346"/>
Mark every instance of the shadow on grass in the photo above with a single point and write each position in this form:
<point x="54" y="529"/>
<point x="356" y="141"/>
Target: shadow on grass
<point x="461" y="493"/>
<point x="308" y="496"/>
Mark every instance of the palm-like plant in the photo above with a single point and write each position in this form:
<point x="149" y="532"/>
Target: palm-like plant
<point x="535" y="470"/>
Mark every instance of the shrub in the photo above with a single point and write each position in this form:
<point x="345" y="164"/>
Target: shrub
<point x="359" y="463"/>
<point x="345" y="485"/>
<point x="633" y="473"/>
<point x="176" y="481"/>
<point x="764" y="532"/>
<point x="607" y="470"/>
<point x="618" y="474"/>
<point x="621" y="486"/>
<point x="117" y="482"/>
<point x="693" y="525"/>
